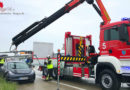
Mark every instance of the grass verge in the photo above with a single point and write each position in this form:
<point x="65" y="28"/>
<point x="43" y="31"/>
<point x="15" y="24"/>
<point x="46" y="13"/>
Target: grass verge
<point x="4" y="85"/>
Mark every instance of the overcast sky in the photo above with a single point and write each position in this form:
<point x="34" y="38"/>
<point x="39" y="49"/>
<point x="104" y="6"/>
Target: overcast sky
<point x="83" y="21"/>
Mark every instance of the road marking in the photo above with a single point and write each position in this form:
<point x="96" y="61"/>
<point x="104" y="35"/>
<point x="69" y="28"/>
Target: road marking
<point x="70" y="86"/>
<point x="65" y="84"/>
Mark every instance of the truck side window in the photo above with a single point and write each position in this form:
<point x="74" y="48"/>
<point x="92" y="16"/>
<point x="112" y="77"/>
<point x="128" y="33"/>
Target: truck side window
<point x="114" y="34"/>
<point x="106" y="35"/>
<point x="111" y="34"/>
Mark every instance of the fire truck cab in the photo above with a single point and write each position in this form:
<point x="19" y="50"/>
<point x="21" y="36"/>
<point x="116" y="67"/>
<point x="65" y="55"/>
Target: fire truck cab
<point x="114" y="56"/>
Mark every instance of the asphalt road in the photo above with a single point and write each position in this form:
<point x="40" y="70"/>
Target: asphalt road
<point x="66" y="84"/>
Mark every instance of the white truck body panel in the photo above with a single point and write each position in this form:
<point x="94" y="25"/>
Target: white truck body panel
<point x="69" y="46"/>
<point x="113" y="60"/>
<point x="121" y="66"/>
<point x="125" y="62"/>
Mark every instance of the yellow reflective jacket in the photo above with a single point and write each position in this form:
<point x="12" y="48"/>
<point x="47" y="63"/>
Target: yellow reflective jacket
<point x="49" y="66"/>
<point x="2" y="61"/>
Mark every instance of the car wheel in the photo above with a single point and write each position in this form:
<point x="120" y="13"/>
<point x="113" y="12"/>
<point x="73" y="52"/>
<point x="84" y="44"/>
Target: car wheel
<point x="6" y="77"/>
<point x="109" y="80"/>
<point x="54" y="73"/>
<point x="32" y="81"/>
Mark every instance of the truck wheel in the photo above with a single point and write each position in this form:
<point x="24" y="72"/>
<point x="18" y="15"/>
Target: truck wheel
<point x="54" y="73"/>
<point x="109" y="80"/>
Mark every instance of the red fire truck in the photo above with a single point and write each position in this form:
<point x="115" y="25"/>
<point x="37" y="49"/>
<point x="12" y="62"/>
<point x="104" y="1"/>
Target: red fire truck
<point x="110" y="66"/>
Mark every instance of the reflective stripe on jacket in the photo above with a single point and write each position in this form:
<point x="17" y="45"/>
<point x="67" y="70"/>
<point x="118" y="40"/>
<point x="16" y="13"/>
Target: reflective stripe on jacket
<point x="2" y="61"/>
<point x="50" y="66"/>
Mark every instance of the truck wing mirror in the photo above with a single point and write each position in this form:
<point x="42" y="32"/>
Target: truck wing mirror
<point x="123" y="33"/>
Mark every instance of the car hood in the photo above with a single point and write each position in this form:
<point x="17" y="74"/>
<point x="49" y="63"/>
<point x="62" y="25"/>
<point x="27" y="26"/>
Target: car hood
<point x="21" y="71"/>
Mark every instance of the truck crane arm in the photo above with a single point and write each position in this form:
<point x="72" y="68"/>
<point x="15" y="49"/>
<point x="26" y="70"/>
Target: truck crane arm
<point x="101" y="11"/>
<point x="106" y="18"/>
<point x="37" y="26"/>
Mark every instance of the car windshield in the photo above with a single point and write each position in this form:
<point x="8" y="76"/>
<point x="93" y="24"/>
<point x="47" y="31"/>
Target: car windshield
<point x="17" y="65"/>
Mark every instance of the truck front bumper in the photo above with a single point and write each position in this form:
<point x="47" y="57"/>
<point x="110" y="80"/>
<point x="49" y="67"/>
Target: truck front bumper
<point x="125" y="77"/>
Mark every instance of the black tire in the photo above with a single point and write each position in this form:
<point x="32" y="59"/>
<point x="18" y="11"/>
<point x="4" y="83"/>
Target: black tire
<point x="54" y="73"/>
<point x="32" y="81"/>
<point x="6" y="77"/>
<point x="109" y="80"/>
<point x="0" y="71"/>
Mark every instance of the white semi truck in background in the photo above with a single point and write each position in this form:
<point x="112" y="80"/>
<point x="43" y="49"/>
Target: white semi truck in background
<point x="42" y="49"/>
<point x="40" y="52"/>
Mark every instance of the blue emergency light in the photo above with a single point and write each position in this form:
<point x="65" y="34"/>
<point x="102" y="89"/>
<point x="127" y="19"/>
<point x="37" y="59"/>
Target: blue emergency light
<point x="125" y="18"/>
<point x="125" y="67"/>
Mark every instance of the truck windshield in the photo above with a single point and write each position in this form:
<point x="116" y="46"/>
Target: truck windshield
<point x="114" y="34"/>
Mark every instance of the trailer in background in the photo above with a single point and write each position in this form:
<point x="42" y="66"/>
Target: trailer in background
<point x="42" y="49"/>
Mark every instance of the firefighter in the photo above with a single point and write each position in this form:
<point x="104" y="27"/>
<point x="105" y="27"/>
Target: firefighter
<point x="44" y="71"/>
<point x="50" y="69"/>
<point x="2" y="61"/>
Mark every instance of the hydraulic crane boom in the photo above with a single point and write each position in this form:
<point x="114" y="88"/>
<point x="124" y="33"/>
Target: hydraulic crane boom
<point x="101" y="11"/>
<point x="37" y="26"/>
<point x="106" y="18"/>
<point x="104" y="15"/>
